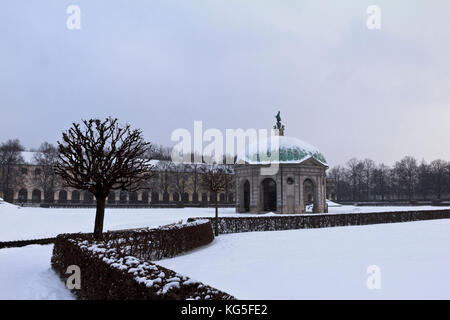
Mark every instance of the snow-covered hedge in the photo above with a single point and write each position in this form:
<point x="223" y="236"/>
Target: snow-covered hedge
<point x="119" y="266"/>
<point x="162" y="242"/>
<point x="22" y="243"/>
<point x="287" y="222"/>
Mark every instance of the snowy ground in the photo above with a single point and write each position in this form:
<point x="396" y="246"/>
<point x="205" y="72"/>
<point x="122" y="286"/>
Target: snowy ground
<point x="33" y="223"/>
<point x="329" y="263"/>
<point x="25" y="273"/>
<point x="18" y="223"/>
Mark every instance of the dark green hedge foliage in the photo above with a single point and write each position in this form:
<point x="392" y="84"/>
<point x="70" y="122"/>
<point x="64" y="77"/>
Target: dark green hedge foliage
<point x="288" y="222"/>
<point x="119" y="266"/>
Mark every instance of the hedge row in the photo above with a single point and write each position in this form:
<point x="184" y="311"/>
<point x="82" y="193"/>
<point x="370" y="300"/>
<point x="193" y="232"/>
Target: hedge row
<point x="287" y="222"/>
<point x="22" y="243"/>
<point x="110" y="272"/>
<point x="158" y="243"/>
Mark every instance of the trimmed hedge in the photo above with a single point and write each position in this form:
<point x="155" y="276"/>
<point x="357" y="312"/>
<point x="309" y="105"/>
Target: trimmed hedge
<point x="288" y="222"/>
<point x="158" y="243"/>
<point x="22" y="243"/>
<point x="118" y="267"/>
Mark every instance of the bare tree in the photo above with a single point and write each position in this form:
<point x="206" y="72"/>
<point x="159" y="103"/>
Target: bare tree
<point x="438" y="171"/>
<point x="99" y="156"/>
<point x="180" y="179"/>
<point x="216" y="178"/>
<point x="369" y="165"/>
<point x="423" y="179"/>
<point x="10" y="158"/>
<point x="47" y="157"/>
<point x="165" y="182"/>
<point x="380" y="177"/>
<point x="337" y="173"/>
<point x="159" y="152"/>
<point x="195" y="185"/>
<point x="405" y="180"/>
<point x="406" y="170"/>
<point x="356" y="177"/>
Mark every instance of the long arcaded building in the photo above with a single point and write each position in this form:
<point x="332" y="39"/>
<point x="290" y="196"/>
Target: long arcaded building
<point x="173" y="184"/>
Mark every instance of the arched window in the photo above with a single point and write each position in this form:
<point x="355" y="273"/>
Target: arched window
<point x="133" y="197"/>
<point x="246" y="196"/>
<point x="231" y="197"/>
<point x="222" y="197"/>
<point x="204" y="197"/>
<point x="212" y="197"/>
<point x="166" y="197"/>
<point x="123" y="197"/>
<point x="308" y="191"/>
<point x="175" y="197"/>
<point x="75" y="196"/>
<point x="185" y="197"/>
<point x="145" y="197"/>
<point x="155" y="197"/>
<point x="62" y="196"/>
<point x="36" y="196"/>
<point x="269" y="188"/>
<point x="88" y="197"/>
<point x="195" y="197"/>
<point x="23" y="195"/>
<point x="112" y="197"/>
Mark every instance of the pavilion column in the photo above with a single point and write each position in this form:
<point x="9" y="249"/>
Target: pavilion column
<point x="239" y="205"/>
<point x="281" y="192"/>
<point x="255" y="203"/>
<point x="302" y="195"/>
<point x="297" y="190"/>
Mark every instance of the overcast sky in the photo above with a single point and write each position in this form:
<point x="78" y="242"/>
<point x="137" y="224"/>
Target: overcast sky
<point x="160" y="65"/>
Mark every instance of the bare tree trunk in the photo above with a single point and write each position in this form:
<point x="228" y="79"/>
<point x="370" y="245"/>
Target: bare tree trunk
<point x="216" y="231"/>
<point x="99" y="217"/>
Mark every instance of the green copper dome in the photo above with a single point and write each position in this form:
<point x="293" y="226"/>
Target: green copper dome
<point x="281" y="149"/>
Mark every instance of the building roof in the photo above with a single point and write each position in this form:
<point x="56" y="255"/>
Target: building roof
<point x="165" y="165"/>
<point x="28" y="157"/>
<point x="281" y="149"/>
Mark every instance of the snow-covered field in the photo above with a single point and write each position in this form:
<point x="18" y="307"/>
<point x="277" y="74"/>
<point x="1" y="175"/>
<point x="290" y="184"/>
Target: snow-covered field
<point x="26" y="223"/>
<point x="25" y="273"/>
<point x="33" y="223"/>
<point x="329" y="263"/>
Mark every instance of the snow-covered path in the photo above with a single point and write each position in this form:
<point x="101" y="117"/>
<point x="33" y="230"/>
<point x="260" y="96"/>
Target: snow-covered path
<point x="25" y="273"/>
<point x="330" y="263"/>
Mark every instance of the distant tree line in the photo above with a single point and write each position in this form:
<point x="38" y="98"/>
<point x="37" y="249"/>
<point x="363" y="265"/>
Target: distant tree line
<point x="408" y="179"/>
